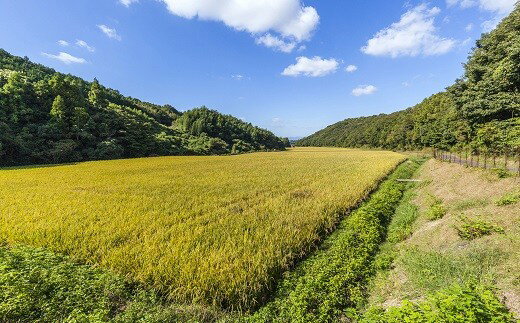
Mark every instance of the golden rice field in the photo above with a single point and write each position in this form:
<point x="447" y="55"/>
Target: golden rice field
<point x="212" y="230"/>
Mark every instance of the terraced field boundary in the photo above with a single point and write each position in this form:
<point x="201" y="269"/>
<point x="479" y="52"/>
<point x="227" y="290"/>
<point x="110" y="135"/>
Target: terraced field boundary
<point x="331" y="283"/>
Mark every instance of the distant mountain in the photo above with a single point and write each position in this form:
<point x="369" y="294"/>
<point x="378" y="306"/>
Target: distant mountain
<point x="479" y="112"/>
<point x="49" y="117"/>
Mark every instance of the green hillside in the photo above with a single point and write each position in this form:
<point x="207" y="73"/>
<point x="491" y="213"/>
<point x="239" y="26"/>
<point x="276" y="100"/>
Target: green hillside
<point x="480" y="111"/>
<point x="49" y="117"/>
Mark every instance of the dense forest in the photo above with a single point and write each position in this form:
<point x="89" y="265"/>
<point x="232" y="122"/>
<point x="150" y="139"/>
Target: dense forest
<point x="49" y="117"/>
<point x="480" y="112"/>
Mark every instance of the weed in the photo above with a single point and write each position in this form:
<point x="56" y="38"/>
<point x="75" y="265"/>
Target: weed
<point x="509" y="199"/>
<point x="470" y="229"/>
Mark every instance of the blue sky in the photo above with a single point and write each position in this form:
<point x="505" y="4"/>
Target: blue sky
<point x="279" y="64"/>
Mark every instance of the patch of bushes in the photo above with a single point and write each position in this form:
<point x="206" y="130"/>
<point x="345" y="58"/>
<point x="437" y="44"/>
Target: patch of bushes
<point x="40" y="286"/>
<point x="332" y="282"/>
<point x="436" y="209"/>
<point x="469" y="303"/>
<point x="436" y="212"/>
<point x="470" y="229"/>
<point x="509" y="199"/>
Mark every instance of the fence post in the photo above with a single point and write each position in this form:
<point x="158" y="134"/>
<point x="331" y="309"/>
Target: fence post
<point x="505" y="161"/>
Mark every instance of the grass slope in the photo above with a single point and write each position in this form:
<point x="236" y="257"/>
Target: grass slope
<point x="460" y="267"/>
<point x="210" y="230"/>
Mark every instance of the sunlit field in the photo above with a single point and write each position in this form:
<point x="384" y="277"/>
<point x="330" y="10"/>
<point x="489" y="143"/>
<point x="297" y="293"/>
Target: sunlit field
<point x="212" y="230"/>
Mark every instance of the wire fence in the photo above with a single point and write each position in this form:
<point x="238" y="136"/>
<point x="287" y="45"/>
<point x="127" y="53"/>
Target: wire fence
<point x="506" y="162"/>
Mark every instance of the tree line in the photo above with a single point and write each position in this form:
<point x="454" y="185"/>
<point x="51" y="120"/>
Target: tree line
<point x="480" y="112"/>
<point x="49" y="117"/>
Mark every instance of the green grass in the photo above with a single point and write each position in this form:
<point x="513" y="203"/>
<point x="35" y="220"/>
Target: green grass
<point x="333" y="280"/>
<point x="403" y="220"/>
<point x="469" y="204"/>
<point x="430" y="271"/>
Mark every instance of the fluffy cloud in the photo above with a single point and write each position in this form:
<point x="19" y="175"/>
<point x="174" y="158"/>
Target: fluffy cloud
<point x="66" y="58"/>
<point x="271" y="41"/>
<point x="499" y="6"/>
<point x="83" y="44"/>
<point x="313" y="67"/>
<point x="415" y="34"/>
<point x="364" y="90"/>
<point x="63" y="43"/>
<point x="110" y="32"/>
<point x="127" y="3"/>
<point x="351" y="68"/>
<point x="289" y="19"/>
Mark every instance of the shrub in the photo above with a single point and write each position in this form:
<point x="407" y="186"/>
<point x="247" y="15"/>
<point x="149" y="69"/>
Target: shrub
<point x="470" y="303"/>
<point x="435" y="212"/>
<point x="470" y="229"/>
<point x="509" y="199"/>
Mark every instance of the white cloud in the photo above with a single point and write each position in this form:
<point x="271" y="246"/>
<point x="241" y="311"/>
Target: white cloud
<point x="290" y="19"/>
<point x="469" y="27"/>
<point x="314" y="67"/>
<point x="466" y="42"/>
<point x="415" y="34"/>
<point x="351" y="68"/>
<point x="237" y="77"/>
<point x="110" y="32"/>
<point x="66" y="58"/>
<point x="83" y="44"/>
<point x="127" y="3"/>
<point x="498" y="6"/>
<point x="63" y="43"/>
<point x="364" y="90"/>
<point x="271" y="41"/>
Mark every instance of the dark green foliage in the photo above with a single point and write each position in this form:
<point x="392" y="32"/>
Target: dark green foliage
<point x="480" y="112"/>
<point x="470" y="229"/>
<point x="333" y="279"/>
<point x="48" y="117"/>
<point x="233" y="131"/>
<point x="471" y="303"/>
<point x="39" y="286"/>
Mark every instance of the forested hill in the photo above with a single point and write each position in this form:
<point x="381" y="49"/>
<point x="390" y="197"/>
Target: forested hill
<point x="49" y="117"/>
<point x="479" y="112"/>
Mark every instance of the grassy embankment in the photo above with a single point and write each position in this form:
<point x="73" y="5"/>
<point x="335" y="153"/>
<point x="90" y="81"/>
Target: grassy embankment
<point x="452" y="253"/>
